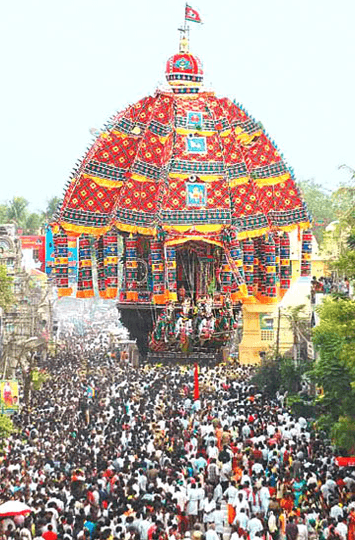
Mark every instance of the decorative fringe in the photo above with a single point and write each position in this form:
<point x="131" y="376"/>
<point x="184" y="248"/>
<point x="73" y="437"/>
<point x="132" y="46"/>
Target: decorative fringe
<point x="248" y="264"/>
<point x="258" y="268"/>
<point x="64" y="292"/>
<point x="111" y="264"/>
<point x="85" y="294"/>
<point x="170" y="261"/>
<point x="85" y="283"/>
<point x="235" y="260"/>
<point x="156" y="249"/>
<point x="226" y="275"/>
<point x="101" y="276"/>
<point x="131" y="267"/>
<point x="306" y="262"/>
<point x="61" y="264"/>
<point x="276" y="238"/>
<point x="285" y="265"/>
<point x="269" y="267"/>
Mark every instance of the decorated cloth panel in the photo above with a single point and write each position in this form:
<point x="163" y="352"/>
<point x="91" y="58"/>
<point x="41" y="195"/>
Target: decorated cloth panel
<point x="61" y="264"/>
<point x="175" y="160"/>
<point x="85" y="280"/>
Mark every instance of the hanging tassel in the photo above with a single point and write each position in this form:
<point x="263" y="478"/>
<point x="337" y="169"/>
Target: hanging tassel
<point x="285" y="267"/>
<point x="131" y="267"/>
<point x="61" y="265"/>
<point x="306" y="262"/>
<point x="156" y="248"/>
<point x="248" y="264"/>
<point x="110" y="253"/>
<point x="170" y="261"/>
<point x="85" y="284"/>
<point x="99" y="250"/>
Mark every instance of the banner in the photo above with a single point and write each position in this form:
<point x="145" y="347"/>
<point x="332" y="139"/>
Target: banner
<point x="9" y="396"/>
<point x="345" y="461"/>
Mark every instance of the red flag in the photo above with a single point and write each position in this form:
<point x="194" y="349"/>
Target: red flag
<point x="345" y="461"/>
<point x="196" y="388"/>
<point x="192" y="15"/>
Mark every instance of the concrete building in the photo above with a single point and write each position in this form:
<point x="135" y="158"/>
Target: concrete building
<point x="266" y="327"/>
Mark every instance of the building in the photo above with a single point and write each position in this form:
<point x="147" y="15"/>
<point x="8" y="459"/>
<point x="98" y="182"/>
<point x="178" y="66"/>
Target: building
<point x="33" y="251"/>
<point x="26" y="326"/>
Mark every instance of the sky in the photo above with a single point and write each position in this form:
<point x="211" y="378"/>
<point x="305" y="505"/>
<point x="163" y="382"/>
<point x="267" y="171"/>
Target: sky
<point x="68" y="65"/>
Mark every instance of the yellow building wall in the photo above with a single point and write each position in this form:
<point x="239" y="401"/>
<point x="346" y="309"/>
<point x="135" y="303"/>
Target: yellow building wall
<point x="319" y="269"/>
<point x="255" y="340"/>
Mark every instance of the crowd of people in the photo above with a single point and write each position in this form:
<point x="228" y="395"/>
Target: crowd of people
<point x="108" y="452"/>
<point x="330" y="285"/>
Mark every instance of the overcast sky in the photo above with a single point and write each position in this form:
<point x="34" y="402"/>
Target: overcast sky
<point x="68" y="65"/>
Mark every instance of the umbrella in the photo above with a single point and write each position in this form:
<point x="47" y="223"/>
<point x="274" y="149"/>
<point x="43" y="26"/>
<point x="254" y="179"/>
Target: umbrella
<point x="14" y="508"/>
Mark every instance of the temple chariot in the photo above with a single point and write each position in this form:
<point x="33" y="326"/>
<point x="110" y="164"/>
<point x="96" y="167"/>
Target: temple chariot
<point x="182" y="209"/>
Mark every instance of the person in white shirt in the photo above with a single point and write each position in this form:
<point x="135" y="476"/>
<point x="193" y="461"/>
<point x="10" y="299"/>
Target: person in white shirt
<point x="230" y="496"/>
<point x="241" y="517"/>
<point x="254" y="526"/>
<point x="208" y="507"/>
<point x="180" y="497"/>
<point x="241" y="501"/>
<point x="272" y="524"/>
<point x="342" y="528"/>
<point x="218" y="520"/>
<point x="201" y="497"/>
<point x="264" y="497"/>
<point x="144" y="527"/>
<point x="254" y="501"/>
<point x="212" y="451"/>
<point x="302" y="530"/>
<point x="245" y="431"/>
<point x="336" y="511"/>
<point x="211" y="534"/>
<point x="257" y="468"/>
<point x="218" y="493"/>
<point x="193" y="504"/>
<point x="245" y="478"/>
<point x="25" y="533"/>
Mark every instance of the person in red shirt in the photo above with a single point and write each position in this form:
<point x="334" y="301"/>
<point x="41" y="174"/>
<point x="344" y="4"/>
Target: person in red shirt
<point x="49" y="534"/>
<point x="257" y="454"/>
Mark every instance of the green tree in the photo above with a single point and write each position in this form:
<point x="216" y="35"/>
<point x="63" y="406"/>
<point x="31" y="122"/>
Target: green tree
<point x="320" y="206"/>
<point x="3" y="213"/>
<point x="6" y="292"/>
<point x="33" y="224"/>
<point x="343" y="432"/>
<point x="334" y="369"/>
<point x="17" y="211"/>
<point x="278" y="373"/>
<point x="345" y="264"/>
<point x="6" y="427"/>
<point x="344" y="233"/>
<point x="299" y="323"/>
<point x="51" y="209"/>
<point x="268" y="377"/>
<point x="343" y="199"/>
<point x="335" y="334"/>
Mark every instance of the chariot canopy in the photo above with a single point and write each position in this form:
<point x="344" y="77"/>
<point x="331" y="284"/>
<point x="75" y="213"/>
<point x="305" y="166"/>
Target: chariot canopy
<point x="200" y="194"/>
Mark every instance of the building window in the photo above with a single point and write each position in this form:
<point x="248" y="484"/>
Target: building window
<point x="267" y="335"/>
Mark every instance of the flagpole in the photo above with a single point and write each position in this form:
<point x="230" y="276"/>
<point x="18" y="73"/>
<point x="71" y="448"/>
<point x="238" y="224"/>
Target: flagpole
<point x="184" y="30"/>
